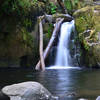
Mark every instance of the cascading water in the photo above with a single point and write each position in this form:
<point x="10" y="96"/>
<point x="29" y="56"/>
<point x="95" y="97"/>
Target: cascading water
<point x="63" y="58"/>
<point x="63" y="55"/>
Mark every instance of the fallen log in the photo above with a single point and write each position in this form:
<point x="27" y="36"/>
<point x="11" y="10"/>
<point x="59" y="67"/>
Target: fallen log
<point x="52" y="18"/>
<point x="42" y="65"/>
<point x="50" y="44"/>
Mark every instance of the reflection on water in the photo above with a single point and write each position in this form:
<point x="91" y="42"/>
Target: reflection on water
<point x="61" y="82"/>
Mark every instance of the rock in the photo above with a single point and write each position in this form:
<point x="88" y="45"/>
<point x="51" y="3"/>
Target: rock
<point x="98" y="98"/>
<point x="18" y="37"/>
<point x="87" y="22"/>
<point x="73" y="5"/>
<point x="72" y="94"/>
<point x="27" y="91"/>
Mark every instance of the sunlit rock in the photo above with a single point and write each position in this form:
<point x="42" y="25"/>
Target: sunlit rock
<point x="28" y="91"/>
<point x="82" y="99"/>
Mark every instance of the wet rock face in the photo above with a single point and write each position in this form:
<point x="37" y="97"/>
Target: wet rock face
<point x="27" y="91"/>
<point x="88" y="28"/>
<point x="18" y="34"/>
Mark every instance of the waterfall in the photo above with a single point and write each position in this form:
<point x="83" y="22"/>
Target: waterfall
<point x="63" y="55"/>
<point x="63" y="58"/>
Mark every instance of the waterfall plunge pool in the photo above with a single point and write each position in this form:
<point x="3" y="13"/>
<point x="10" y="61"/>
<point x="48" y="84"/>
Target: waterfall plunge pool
<point x="85" y="83"/>
<point x="68" y="83"/>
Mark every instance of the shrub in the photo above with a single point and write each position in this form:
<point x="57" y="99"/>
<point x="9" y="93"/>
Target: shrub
<point x="17" y="6"/>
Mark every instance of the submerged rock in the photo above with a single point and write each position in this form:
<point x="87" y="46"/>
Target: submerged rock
<point x="88" y="27"/>
<point x="27" y="91"/>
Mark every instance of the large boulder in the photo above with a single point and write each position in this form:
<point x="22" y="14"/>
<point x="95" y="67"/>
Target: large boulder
<point x="27" y="91"/>
<point x="87" y="22"/>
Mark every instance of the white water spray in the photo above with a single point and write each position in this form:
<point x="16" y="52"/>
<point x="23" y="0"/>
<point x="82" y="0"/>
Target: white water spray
<point x="63" y="55"/>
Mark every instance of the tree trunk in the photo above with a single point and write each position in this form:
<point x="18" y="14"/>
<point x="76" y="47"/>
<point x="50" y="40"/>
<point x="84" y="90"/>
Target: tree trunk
<point x="41" y="46"/>
<point x="62" y="6"/>
<point x="42" y="64"/>
<point x="50" y="44"/>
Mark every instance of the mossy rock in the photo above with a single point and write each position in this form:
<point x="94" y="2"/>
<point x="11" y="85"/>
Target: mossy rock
<point x="73" y="5"/>
<point x="88" y="27"/>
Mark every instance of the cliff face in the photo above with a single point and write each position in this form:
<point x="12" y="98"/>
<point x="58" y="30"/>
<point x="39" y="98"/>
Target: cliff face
<point x="88" y="27"/>
<point x="19" y="32"/>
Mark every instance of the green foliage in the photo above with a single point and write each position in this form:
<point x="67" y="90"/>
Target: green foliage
<point x="27" y="22"/>
<point x="18" y="6"/>
<point x="83" y="41"/>
<point x="86" y="46"/>
<point x="74" y="2"/>
<point x="50" y="28"/>
<point x="35" y="0"/>
<point x="52" y="8"/>
<point x="27" y="38"/>
<point x="84" y="22"/>
<point x="70" y="4"/>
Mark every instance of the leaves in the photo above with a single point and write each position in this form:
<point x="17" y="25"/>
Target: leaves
<point x="71" y="4"/>
<point x="53" y="8"/>
<point x="18" y="6"/>
<point x="68" y="5"/>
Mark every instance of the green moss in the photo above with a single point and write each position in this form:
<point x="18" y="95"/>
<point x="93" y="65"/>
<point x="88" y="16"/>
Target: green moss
<point x="51" y="8"/>
<point x="84" y="19"/>
<point x="50" y="29"/>
<point x="27" y="39"/>
<point x="27" y="22"/>
<point x="88" y="28"/>
<point x="68" y="5"/>
<point x="18" y="36"/>
<point x="80" y="22"/>
<point x="83" y="42"/>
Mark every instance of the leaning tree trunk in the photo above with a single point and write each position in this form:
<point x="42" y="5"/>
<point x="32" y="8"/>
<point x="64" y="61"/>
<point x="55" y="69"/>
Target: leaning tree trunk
<point x="50" y="44"/>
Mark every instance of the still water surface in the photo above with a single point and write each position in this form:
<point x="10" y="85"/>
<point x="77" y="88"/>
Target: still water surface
<point x="80" y="83"/>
